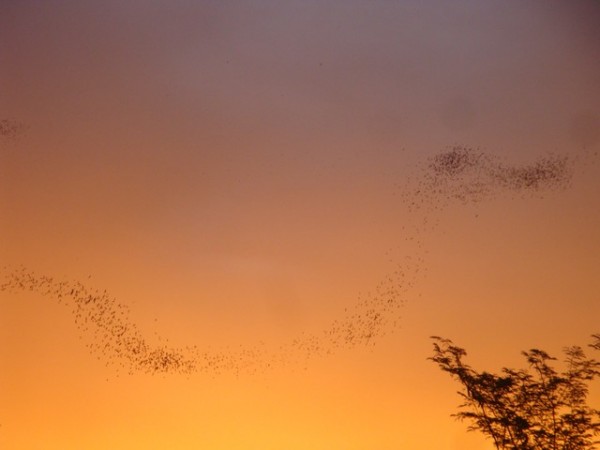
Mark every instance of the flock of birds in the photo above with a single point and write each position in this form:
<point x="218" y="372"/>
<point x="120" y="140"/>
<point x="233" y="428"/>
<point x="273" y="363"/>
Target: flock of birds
<point x="457" y="174"/>
<point x="11" y="129"/>
<point x="469" y="175"/>
<point x="113" y="337"/>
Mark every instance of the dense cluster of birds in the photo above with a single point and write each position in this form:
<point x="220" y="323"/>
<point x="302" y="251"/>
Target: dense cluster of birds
<point x="468" y="175"/>
<point x="458" y="173"/>
<point x="113" y="337"/>
<point x="363" y="323"/>
<point x="106" y="322"/>
<point x="11" y="129"/>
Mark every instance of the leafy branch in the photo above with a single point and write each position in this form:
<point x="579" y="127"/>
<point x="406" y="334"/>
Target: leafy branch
<point x="537" y="408"/>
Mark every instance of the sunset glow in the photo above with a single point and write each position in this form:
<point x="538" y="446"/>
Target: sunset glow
<point x="235" y="225"/>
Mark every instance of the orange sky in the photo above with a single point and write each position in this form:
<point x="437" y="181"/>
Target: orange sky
<point x="239" y="175"/>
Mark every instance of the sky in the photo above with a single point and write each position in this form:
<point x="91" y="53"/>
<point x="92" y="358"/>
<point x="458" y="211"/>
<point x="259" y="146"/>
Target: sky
<point x="234" y="225"/>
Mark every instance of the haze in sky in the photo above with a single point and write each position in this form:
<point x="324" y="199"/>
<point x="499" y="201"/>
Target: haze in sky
<point x="235" y="225"/>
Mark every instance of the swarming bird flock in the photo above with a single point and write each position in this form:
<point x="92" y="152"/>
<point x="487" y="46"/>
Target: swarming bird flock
<point x="457" y="174"/>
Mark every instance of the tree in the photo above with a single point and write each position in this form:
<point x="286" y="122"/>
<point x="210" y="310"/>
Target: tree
<point x="538" y="408"/>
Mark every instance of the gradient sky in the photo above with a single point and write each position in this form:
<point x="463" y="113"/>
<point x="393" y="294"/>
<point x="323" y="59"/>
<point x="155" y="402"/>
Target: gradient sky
<point x="237" y="174"/>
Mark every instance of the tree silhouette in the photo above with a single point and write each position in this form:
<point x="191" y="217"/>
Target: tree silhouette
<point x="538" y="408"/>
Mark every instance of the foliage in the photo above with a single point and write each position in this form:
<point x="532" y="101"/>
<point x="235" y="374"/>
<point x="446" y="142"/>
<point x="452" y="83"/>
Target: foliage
<point x="538" y="408"/>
